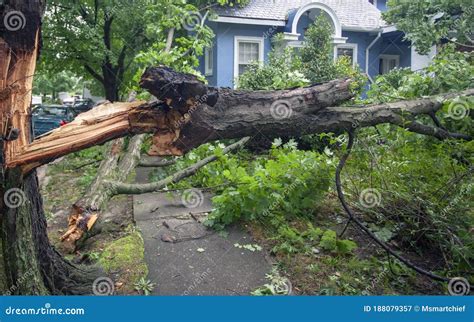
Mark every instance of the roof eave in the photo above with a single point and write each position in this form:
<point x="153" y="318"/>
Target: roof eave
<point x="249" y="21"/>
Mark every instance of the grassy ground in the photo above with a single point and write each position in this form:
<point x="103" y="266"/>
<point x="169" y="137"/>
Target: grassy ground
<point x="315" y="271"/>
<point x="124" y="259"/>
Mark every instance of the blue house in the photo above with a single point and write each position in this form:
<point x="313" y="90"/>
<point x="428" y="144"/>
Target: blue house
<point x="245" y="34"/>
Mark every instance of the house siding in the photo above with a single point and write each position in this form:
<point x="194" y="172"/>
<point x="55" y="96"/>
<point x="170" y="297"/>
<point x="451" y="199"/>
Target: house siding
<point x="382" y="5"/>
<point x="363" y="40"/>
<point x="223" y="75"/>
<point x="393" y="44"/>
<point x="225" y="33"/>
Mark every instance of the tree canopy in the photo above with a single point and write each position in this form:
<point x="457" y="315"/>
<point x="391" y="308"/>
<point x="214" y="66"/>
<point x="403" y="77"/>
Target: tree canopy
<point x="427" y="23"/>
<point x="111" y="41"/>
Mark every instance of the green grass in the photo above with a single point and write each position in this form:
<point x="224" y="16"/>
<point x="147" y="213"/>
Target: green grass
<point x="125" y="256"/>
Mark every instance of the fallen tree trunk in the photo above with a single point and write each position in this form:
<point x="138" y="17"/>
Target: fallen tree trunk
<point x="192" y="114"/>
<point x="173" y="122"/>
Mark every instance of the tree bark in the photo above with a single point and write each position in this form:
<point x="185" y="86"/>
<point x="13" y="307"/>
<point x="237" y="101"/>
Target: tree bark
<point x="29" y="264"/>
<point x="176" y="121"/>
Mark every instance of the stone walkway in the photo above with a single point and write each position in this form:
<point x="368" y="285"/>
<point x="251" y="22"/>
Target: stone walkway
<point x="186" y="258"/>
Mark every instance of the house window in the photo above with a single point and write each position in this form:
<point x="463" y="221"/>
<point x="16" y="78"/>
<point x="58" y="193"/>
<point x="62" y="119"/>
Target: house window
<point x="388" y="62"/>
<point x="247" y="50"/>
<point x="208" y="61"/>
<point x="347" y="50"/>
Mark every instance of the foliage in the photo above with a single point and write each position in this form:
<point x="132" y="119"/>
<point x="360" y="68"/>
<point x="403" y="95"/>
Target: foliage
<point x="427" y="23"/>
<point x="282" y="71"/>
<point x="111" y="41"/>
<point x="48" y="83"/>
<point x="328" y="240"/>
<point x="345" y="69"/>
<point x="422" y="197"/>
<point x="317" y="54"/>
<point x="421" y="182"/>
<point x="289" y="183"/>
<point x="191" y="36"/>
<point x="278" y="285"/>
<point x="452" y="71"/>
<point x="286" y="68"/>
<point x="97" y="40"/>
<point x="144" y="286"/>
<point x="208" y="176"/>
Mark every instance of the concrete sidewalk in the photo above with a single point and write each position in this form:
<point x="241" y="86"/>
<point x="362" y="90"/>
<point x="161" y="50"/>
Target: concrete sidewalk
<point x="186" y="258"/>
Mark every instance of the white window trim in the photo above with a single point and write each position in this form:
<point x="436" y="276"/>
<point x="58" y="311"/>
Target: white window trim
<point x="396" y="57"/>
<point x="237" y="39"/>
<point x="352" y="46"/>
<point x="207" y="70"/>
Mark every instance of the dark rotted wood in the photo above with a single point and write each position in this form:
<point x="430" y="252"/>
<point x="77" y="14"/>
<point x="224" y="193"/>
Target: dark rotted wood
<point x="178" y="90"/>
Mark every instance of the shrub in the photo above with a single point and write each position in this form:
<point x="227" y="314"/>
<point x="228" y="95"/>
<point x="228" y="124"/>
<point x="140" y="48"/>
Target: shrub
<point x="282" y="71"/>
<point x="317" y="53"/>
<point x="289" y="183"/>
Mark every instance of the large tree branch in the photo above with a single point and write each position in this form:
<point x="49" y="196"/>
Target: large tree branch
<point x="93" y="73"/>
<point x="190" y="114"/>
<point x="86" y="210"/>
<point x="125" y="188"/>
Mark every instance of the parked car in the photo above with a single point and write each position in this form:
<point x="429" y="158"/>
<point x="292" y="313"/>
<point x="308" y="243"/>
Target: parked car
<point x="82" y="105"/>
<point x="49" y="117"/>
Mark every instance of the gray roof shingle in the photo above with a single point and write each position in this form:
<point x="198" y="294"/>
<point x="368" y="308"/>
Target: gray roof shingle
<point x="351" y="13"/>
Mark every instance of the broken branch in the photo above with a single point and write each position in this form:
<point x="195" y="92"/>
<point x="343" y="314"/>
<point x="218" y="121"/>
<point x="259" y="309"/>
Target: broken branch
<point x="133" y="189"/>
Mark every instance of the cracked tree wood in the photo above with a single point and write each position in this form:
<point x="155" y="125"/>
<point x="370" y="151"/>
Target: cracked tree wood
<point x="83" y="221"/>
<point x="85" y="213"/>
